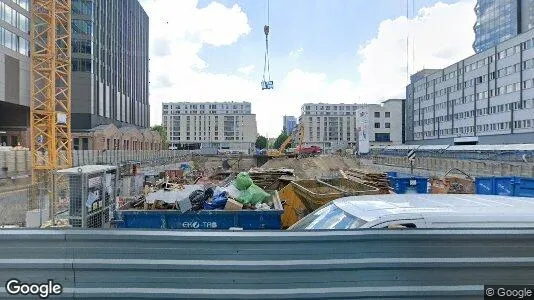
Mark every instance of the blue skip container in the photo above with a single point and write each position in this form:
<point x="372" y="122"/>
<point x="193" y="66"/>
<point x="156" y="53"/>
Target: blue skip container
<point x="404" y="185"/>
<point x="204" y="219"/>
<point x="505" y="186"/>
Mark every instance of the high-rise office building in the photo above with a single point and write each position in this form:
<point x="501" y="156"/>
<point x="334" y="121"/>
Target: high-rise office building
<point x="210" y="125"/>
<point x="109" y="64"/>
<point x="109" y="67"/>
<point x="290" y="122"/>
<point x="499" y="20"/>
<point x="14" y="72"/>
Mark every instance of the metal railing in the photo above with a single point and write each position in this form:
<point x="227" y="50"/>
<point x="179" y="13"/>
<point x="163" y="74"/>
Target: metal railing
<point x="408" y="264"/>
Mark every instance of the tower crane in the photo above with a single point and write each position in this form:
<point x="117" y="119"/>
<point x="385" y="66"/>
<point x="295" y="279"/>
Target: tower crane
<point x="267" y="83"/>
<point x="50" y="88"/>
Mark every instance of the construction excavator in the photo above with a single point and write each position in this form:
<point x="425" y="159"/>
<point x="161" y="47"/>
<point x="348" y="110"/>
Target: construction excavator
<point x="280" y="151"/>
<point x="300" y="151"/>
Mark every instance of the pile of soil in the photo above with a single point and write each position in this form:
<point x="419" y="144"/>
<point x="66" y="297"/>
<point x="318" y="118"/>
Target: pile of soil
<point x="313" y="167"/>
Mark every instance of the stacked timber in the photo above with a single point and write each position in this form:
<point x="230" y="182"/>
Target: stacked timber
<point x="377" y="180"/>
<point x="271" y="179"/>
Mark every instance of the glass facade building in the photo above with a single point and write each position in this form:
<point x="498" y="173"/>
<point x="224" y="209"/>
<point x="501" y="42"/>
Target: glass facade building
<point x="14" y="72"/>
<point x="109" y="63"/>
<point x="500" y="20"/>
<point x="14" y="33"/>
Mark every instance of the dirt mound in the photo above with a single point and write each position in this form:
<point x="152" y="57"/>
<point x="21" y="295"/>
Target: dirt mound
<point x="313" y="167"/>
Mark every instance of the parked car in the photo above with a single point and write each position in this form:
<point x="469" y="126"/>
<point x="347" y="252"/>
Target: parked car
<point x="421" y="211"/>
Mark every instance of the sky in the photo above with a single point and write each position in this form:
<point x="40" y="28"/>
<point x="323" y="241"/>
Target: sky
<point x="331" y="51"/>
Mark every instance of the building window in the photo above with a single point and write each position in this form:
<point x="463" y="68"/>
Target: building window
<point x="85" y="144"/>
<point x="377" y="125"/>
<point x="382" y="137"/>
<point x="388" y="114"/>
<point x="388" y="125"/>
<point x="377" y="114"/>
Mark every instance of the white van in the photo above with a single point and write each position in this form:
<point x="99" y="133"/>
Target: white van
<point x="421" y="211"/>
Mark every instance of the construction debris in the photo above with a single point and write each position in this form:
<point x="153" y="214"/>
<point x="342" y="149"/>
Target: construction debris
<point x="272" y="179"/>
<point x="59" y="223"/>
<point x="377" y="180"/>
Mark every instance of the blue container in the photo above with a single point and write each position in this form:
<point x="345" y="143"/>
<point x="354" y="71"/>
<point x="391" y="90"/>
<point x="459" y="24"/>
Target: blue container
<point x="485" y="185"/>
<point x="391" y="174"/>
<point x="505" y="186"/>
<point x="205" y="219"/>
<point x="524" y="187"/>
<point x="403" y="185"/>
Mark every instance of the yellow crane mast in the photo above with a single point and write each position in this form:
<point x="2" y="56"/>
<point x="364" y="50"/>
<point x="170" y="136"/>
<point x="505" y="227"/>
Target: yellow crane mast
<point x="50" y="111"/>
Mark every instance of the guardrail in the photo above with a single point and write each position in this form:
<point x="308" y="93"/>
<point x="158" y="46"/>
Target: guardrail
<point x="410" y="264"/>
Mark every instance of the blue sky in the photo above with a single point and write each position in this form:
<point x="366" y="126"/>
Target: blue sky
<point x="328" y="31"/>
<point x="322" y="50"/>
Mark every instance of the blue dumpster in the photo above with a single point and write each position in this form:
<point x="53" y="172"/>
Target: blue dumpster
<point x="524" y="187"/>
<point x="484" y="186"/>
<point x="403" y="185"/>
<point x="204" y="219"/>
<point x="505" y="186"/>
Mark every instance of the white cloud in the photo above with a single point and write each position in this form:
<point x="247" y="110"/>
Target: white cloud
<point x="442" y="33"/>
<point x="246" y="70"/>
<point x="179" y="30"/>
<point x="296" y="53"/>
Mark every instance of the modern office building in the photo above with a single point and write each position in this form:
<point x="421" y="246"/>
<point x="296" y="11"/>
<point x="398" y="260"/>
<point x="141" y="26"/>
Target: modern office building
<point x="14" y="72"/>
<point x="210" y="125"/>
<point x="335" y="126"/>
<point x="487" y="98"/>
<point x="290" y="122"/>
<point x="109" y="67"/>
<point x="109" y="64"/>
<point x="499" y="20"/>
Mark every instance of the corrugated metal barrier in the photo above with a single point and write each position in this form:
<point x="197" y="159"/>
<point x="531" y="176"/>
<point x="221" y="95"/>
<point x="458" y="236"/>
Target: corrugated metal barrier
<point x="408" y="264"/>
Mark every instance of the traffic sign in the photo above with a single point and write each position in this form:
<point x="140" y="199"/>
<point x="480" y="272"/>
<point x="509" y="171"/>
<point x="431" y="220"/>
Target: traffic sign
<point x="411" y="155"/>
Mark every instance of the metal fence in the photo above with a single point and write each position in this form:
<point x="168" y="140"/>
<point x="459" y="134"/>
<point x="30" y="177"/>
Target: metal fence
<point x="117" y="157"/>
<point x="407" y="264"/>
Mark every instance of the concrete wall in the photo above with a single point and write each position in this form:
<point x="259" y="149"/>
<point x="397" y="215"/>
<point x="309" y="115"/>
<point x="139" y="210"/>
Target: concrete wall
<point x="438" y="166"/>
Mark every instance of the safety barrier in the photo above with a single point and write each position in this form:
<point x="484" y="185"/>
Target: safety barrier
<point x="408" y="264"/>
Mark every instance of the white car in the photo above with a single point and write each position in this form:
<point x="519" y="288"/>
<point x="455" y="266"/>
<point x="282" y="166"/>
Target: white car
<point x="421" y="211"/>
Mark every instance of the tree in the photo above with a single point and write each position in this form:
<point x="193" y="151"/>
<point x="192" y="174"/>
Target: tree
<point x="261" y="142"/>
<point x="280" y="140"/>
<point x="162" y="133"/>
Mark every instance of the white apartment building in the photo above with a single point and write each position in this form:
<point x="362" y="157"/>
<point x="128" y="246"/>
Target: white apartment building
<point x="210" y="125"/>
<point x="335" y="126"/>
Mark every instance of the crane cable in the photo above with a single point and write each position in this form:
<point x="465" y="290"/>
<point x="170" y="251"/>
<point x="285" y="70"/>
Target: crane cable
<point x="266" y="64"/>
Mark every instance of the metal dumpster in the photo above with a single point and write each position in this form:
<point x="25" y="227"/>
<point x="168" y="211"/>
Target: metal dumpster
<point x="408" y="185"/>
<point x="351" y="187"/>
<point x="505" y="186"/>
<point x="294" y="208"/>
<point x="315" y="193"/>
<point x="204" y="219"/>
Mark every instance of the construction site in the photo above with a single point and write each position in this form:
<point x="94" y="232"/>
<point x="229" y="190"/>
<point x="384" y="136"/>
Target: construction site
<point x="356" y="201"/>
<point x="152" y="181"/>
